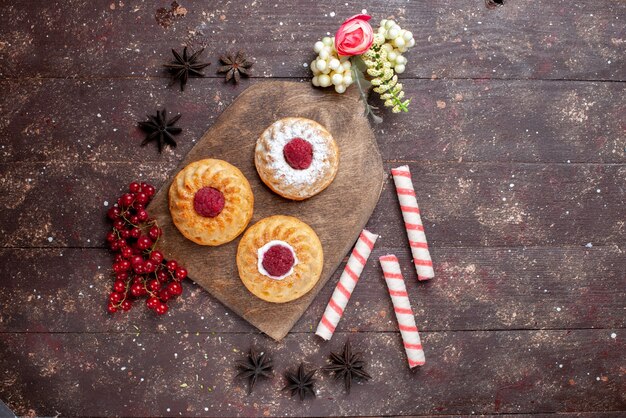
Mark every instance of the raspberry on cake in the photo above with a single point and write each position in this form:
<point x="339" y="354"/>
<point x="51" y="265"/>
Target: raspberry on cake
<point x="276" y="259"/>
<point x="208" y="202"/>
<point x="296" y="158"/>
<point x="298" y="153"/>
<point x="211" y="202"/>
<point x="280" y="258"/>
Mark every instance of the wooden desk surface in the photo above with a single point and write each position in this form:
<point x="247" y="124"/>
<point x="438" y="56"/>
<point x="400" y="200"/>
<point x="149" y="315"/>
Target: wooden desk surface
<point x="516" y="139"/>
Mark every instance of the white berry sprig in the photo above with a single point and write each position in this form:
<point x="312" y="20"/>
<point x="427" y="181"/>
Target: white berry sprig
<point x="397" y="42"/>
<point x="329" y="68"/>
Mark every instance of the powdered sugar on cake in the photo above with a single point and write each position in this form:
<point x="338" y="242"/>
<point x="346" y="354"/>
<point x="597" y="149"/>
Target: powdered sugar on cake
<point x="280" y="134"/>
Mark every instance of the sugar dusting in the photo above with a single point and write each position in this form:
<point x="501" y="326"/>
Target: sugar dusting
<point x="280" y="134"/>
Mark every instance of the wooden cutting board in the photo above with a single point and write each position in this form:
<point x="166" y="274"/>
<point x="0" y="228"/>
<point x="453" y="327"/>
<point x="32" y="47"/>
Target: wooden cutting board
<point x="337" y="214"/>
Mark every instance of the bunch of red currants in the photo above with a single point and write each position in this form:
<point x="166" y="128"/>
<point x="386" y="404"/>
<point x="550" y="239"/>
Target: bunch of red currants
<point x="139" y="269"/>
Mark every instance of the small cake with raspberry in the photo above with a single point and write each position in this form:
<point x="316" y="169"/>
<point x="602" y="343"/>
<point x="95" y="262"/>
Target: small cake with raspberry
<point x="280" y="259"/>
<point x="211" y="202"/>
<point x="296" y="158"/>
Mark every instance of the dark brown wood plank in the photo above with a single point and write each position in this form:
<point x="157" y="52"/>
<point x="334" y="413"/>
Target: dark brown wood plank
<point x="65" y="290"/>
<point x="518" y="121"/>
<point x="562" y="414"/>
<point x="510" y="204"/>
<point x="170" y="374"/>
<point x="458" y="39"/>
<point x="515" y="277"/>
<point x="463" y="204"/>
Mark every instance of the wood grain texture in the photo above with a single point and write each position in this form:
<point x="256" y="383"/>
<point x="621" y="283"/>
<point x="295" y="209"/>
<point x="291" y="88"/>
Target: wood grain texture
<point x="522" y="102"/>
<point x="465" y="373"/>
<point x="463" y="204"/>
<point x="479" y="288"/>
<point x="351" y="197"/>
<point x="459" y="120"/>
<point x="538" y="39"/>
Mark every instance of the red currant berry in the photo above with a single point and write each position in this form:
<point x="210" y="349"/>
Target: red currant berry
<point x="127" y="199"/>
<point x="163" y="276"/>
<point x="134" y="187"/>
<point x="138" y="280"/>
<point x="152" y="302"/>
<point x="135" y="232"/>
<point x="111" y="308"/>
<point x="137" y="290"/>
<point x="121" y="243"/>
<point x="133" y="219"/>
<point x="149" y="266"/>
<point x="111" y="236"/>
<point x="155" y="232"/>
<point x="154" y="285"/>
<point x="156" y="256"/>
<point x="175" y="288"/>
<point x="165" y="295"/>
<point x="119" y="224"/>
<point x="141" y="198"/>
<point x="144" y="242"/>
<point x="114" y="213"/>
<point x="119" y="286"/>
<point x="115" y="297"/>
<point x="125" y="233"/>
<point x="181" y="273"/>
<point x="124" y="265"/>
<point x="161" y="308"/>
<point x="118" y="258"/>
<point x="138" y="268"/>
<point x="122" y="276"/>
<point x="127" y="252"/>
<point x="114" y="246"/>
<point x="171" y="265"/>
<point x="139" y="206"/>
<point x="136" y="259"/>
<point x="126" y="305"/>
<point x="142" y="215"/>
<point x="149" y="190"/>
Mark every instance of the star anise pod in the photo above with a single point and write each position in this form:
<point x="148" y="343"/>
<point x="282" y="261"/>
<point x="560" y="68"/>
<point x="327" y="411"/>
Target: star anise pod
<point x="347" y="366"/>
<point x="159" y="129"/>
<point x="257" y="365"/>
<point x="492" y="4"/>
<point x="300" y="382"/>
<point x="184" y="66"/>
<point x="235" y="65"/>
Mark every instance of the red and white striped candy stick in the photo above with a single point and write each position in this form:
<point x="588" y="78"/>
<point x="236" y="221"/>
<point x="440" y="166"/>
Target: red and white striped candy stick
<point x="402" y="307"/>
<point x="413" y="222"/>
<point x="347" y="282"/>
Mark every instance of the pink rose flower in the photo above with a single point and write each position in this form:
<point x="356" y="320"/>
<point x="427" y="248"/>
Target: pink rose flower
<point x="355" y="36"/>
